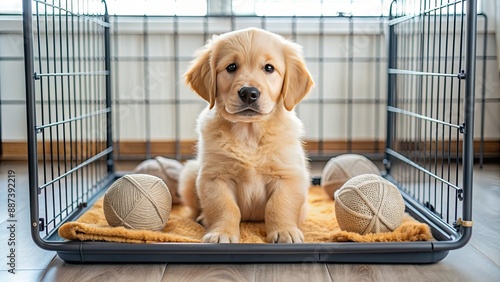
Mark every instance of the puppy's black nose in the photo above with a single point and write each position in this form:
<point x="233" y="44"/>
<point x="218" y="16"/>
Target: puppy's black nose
<point x="249" y="94"/>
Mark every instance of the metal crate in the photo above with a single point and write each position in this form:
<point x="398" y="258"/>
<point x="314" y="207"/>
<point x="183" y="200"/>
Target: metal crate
<point x="429" y="143"/>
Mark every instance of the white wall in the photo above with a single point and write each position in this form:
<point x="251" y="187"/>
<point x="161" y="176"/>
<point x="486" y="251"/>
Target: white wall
<point x="133" y="120"/>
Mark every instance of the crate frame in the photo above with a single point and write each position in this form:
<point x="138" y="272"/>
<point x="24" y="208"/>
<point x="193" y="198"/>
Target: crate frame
<point x="450" y="236"/>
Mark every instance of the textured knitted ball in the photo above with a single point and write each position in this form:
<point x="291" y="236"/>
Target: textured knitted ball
<point x="344" y="167"/>
<point x="369" y="204"/>
<point x="138" y="201"/>
<point x="166" y="169"/>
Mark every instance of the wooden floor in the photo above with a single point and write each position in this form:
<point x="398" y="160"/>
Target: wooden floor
<point x="478" y="261"/>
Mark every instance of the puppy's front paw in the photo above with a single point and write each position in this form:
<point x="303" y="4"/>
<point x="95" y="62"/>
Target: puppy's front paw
<point x="292" y="235"/>
<point x="220" y="237"/>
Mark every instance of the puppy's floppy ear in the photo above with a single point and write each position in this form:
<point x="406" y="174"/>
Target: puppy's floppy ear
<point x="201" y="75"/>
<point x="298" y="81"/>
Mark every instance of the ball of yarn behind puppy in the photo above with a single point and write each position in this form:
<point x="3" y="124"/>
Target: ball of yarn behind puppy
<point x="340" y="169"/>
<point x="168" y="170"/>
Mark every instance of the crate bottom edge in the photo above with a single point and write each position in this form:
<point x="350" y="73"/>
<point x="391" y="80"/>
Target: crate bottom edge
<point x="370" y="258"/>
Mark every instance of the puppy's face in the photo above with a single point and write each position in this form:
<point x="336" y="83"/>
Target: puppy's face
<point x="246" y="74"/>
<point x="250" y="73"/>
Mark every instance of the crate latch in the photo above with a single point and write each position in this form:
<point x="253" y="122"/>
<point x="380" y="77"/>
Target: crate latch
<point x="462" y="128"/>
<point x="464" y="223"/>
<point x="462" y="75"/>
<point x="41" y="224"/>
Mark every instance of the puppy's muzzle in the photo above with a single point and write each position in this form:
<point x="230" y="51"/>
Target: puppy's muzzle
<point x="249" y="95"/>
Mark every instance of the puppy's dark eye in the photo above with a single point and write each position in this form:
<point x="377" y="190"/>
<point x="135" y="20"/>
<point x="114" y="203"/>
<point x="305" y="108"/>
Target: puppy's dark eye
<point x="231" y="67"/>
<point x="269" y="68"/>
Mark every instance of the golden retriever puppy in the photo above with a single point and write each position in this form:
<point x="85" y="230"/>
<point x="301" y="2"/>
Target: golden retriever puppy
<point x="250" y="164"/>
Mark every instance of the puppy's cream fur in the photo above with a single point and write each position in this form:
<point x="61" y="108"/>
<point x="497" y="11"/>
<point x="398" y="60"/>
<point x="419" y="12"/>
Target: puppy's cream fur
<point x="251" y="164"/>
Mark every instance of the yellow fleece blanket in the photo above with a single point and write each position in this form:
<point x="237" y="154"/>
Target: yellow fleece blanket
<point x="320" y="226"/>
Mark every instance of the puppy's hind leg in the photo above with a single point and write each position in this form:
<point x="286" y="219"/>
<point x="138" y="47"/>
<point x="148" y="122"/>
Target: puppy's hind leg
<point x="187" y="187"/>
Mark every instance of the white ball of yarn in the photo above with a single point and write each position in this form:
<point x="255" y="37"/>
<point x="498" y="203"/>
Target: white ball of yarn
<point x="369" y="203"/>
<point x="340" y="169"/>
<point x="138" y="201"/>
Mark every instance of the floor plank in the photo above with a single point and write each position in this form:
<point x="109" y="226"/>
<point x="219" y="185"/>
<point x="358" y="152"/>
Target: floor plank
<point x="21" y="275"/>
<point x="360" y="272"/>
<point x="486" y="212"/>
<point x="292" y="272"/>
<point x="21" y="186"/>
<point x="469" y="264"/>
<point x="28" y="255"/>
<point x="209" y="272"/>
<point x="60" y="271"/>
<point x="476" y="267"/>
<point x="30" y="259"/>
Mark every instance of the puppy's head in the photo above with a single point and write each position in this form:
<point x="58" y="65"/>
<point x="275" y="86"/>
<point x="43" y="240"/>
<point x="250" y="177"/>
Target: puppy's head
<point x="248" y="73"/>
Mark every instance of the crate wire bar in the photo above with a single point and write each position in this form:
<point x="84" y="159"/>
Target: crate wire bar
<point x="429" y="122"/>
<point x="431" y="108"/>
<point x="68" y="108"/>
